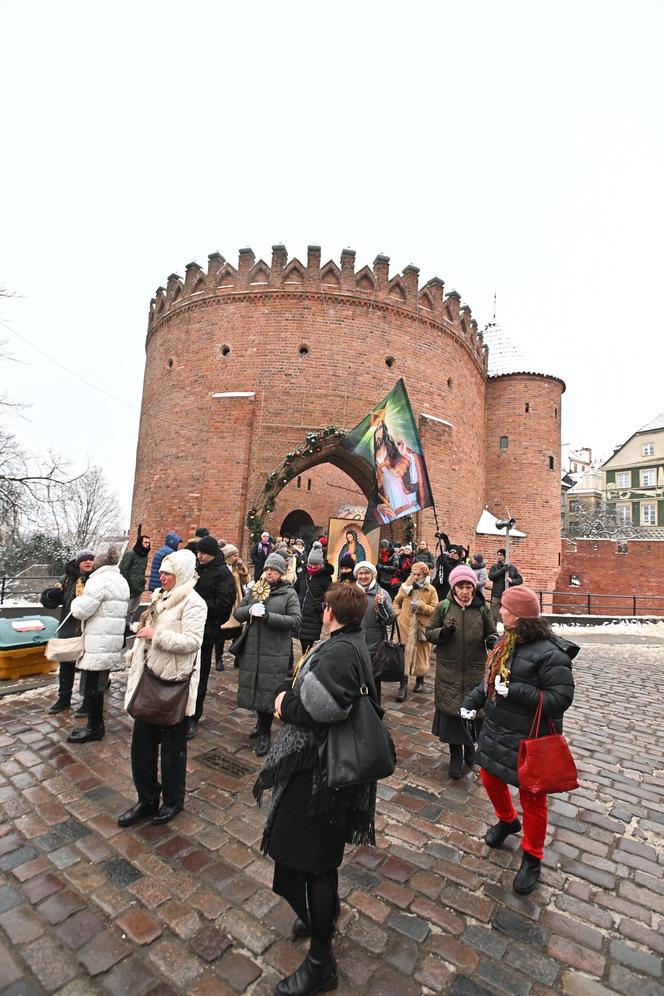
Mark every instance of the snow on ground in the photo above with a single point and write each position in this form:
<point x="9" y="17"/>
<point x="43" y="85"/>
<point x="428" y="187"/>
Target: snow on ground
<point x="636" y="627"/>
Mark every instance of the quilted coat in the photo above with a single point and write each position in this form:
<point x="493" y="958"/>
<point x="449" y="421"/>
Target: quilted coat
<point x="102" y="608"/>
<point x="544" y="665"/>
<point x="267" y="651"/>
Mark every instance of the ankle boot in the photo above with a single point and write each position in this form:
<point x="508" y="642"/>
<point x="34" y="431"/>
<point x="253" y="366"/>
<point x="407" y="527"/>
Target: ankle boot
<point x="61" y="703"/>
<point x="65" y="687"/>
<point x="402" y="694"/>
<point x="528" y="875"/>
<point x="316" y="974"/>
<point x="94" y="730"/>
<point x="456" y="761"/>
<point x="500" y="831"/>
<point x="419" y="685"/>
<point x="469" y="754"/>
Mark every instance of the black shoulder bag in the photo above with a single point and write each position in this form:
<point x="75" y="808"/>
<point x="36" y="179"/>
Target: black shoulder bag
<point x="359" y="748"/>
<point x="388" y="657"/>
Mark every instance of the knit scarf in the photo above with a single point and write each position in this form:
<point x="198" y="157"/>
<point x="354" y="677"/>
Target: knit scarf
<point x="300" y="748"/>
<point x="499" y="662"/>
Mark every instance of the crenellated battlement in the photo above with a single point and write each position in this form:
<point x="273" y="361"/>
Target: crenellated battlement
<point x="370" y="284"/>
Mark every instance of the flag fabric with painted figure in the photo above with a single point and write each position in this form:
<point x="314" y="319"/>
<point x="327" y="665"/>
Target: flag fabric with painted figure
<point x="387" y="439"/>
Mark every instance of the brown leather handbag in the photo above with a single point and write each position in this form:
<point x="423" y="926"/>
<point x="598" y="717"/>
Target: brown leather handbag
<point x="159" y="702"/>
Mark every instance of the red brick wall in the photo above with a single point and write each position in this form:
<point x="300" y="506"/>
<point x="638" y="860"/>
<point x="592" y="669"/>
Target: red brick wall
<point x="204" y="460"/>
<point x="518" y="479"/>
<point x="603" y="571"/>
<point x="331" y="488"/>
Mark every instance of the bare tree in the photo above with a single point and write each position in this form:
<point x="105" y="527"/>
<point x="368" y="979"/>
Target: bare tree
<point x="599" y="521"/>
<point x="83" y="511"/>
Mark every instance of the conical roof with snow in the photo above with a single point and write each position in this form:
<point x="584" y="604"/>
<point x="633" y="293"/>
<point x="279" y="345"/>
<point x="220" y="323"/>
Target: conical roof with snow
<point x="505" y="356"/>
<point x="657" y="423"/>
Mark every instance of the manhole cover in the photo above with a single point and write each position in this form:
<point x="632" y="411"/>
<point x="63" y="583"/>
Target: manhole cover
<point x="228" y="763"/>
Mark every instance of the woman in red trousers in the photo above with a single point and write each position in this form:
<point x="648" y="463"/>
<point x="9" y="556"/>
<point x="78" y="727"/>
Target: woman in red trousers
<point x="527" y="661"/>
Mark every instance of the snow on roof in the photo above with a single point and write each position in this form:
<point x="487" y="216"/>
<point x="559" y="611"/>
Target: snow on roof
<point x="487" y="526"/>
<point x="505" y="356"/>
<point x="657" y="423"/>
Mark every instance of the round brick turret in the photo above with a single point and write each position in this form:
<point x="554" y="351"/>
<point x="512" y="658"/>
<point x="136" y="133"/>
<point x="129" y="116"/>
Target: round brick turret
<point x="242" y="362"/>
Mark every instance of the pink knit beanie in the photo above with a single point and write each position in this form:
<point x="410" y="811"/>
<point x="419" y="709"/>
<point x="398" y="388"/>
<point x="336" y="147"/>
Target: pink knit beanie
<point x="521" y="601"/>
<point x="462" y="573"/>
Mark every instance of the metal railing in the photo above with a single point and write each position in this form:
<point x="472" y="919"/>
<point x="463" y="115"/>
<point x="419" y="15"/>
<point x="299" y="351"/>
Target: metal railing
<point x="21" y="587"/>
<point x="587" y="603"/>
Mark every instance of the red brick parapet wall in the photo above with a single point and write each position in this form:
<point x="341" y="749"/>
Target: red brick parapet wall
<point x="602" y="570"/>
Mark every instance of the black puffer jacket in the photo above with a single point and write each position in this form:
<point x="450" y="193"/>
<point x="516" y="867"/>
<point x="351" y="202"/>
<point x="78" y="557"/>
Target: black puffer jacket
<point x="216" y="587"/>
<point x="310" y="590"/>
<point x="545" y="665"/>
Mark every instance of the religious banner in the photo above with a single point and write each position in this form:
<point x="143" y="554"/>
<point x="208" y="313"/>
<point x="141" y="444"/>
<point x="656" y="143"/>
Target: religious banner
<point x="388" y="440"/>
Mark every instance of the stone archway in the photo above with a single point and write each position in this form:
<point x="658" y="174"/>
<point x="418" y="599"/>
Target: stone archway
<point x="318" y="448"/>
<point x="297" y="523"/>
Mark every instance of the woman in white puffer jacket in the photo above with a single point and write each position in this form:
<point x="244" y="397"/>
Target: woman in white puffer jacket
<point x="169" y="641"/>
<point x="102" y="608"/>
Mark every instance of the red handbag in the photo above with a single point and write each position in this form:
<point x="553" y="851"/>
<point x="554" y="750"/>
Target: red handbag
<point x="546" y="764"/>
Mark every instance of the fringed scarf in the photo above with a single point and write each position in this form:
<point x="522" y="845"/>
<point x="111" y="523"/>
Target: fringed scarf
<point x="299" y="748"/>
<point x="499" y="662"/>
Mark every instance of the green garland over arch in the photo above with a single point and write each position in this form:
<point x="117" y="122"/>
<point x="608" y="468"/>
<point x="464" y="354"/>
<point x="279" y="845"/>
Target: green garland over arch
<point x="279" y="478"/>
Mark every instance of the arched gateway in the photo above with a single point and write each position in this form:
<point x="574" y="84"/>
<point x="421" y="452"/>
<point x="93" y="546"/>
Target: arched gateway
<point x="253" y="371"/>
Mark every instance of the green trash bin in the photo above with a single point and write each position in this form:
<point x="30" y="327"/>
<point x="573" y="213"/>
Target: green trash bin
<point x="22" y="646"/>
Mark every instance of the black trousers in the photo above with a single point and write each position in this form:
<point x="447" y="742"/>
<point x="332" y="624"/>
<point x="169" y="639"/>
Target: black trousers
<point x="145" y="744"/>
<point x="66" y="675"/>
<point x="206" y="664"/>
<point x="313" y="897"/>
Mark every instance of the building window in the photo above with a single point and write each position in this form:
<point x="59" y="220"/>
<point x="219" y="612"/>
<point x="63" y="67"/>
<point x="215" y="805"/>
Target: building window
<point x="574" y="580"/>
<point x="527" y="407"/>
<point x="552" y="463"/>
<point x="648" y="449"/>
<point x="622" y="546"/>
<point x="623" y="479"/>
<point x="647" y="478"/>
<point x="575" y="506"/>
<point x="504" y="442"/>
<point x="299" y="483"/>
<point x="624" y="514"/>
<point x="648" y="514"/>
<point x="308" y="484"/>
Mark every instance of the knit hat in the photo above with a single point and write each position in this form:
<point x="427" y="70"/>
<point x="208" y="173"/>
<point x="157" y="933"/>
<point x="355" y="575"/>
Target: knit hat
<point x="229" y="550"/>
<point x="182" y="563"/>
<point x="521" y="601"/>
<point x="84" y="555"/>
<point x="315" y="555"/>
<point x="462" y="573"/>
<point x="421" y="566"/>
<point x="201" y="532"/>
<point x="384" y="544"/>
<point x="323" y="541"/>
<point x="365" y="565"/>
<point x="276" y="562"/>
<point x="347" y="561"/>
<point x="208" y="544"/>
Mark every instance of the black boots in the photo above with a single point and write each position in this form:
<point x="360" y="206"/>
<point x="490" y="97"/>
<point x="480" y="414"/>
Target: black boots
<point x="263" y="745"/>
<point x="500" y="831"/>
<point x="469" y="754"/>
<point x="66" y="675"/>
<point x="456" y="761"/>
<point x="263" y="728"/>
<point x="316" y="974"/>
<point x="94" y="730"/>
<point x="141" y="811"/>
<point x="528" y="875"/>
<point x="61" y="703"/>
<point x="419" y="685"/>
<point x="192" y="729"/>
<point x="402" y="694"/>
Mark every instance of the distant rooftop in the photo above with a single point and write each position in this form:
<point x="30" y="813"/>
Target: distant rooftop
<point x="657" y="423"/>
<point x="505" y="356"/>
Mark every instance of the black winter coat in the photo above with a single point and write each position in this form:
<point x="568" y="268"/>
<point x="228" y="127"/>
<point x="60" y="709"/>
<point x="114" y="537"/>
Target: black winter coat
<point x="258" y="558"/>
<point x="133" y="568"/>
<point x="497" y="574"/>
<point x="69" y="587"/>
<point x="544" y="665"/>
<point x="388" y="571"/>
<point x="310" y="590"/>
<point x="216" y="587"/>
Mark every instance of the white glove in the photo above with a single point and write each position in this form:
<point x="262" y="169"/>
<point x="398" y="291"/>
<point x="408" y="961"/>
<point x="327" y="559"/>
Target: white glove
<point x="467" y="713"/>
<point x="257" y="610"/>
<point x="407" y="588"/>
<point x="501" y="687"/>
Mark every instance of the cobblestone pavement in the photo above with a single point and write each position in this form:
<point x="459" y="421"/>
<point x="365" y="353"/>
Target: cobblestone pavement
<point x="88" y="908"/>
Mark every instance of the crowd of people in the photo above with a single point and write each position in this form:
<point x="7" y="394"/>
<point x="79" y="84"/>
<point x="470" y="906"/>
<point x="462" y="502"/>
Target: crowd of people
<point x="487" y="685"/>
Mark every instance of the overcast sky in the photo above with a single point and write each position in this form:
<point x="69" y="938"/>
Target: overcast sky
<point x="509" y="146"/>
